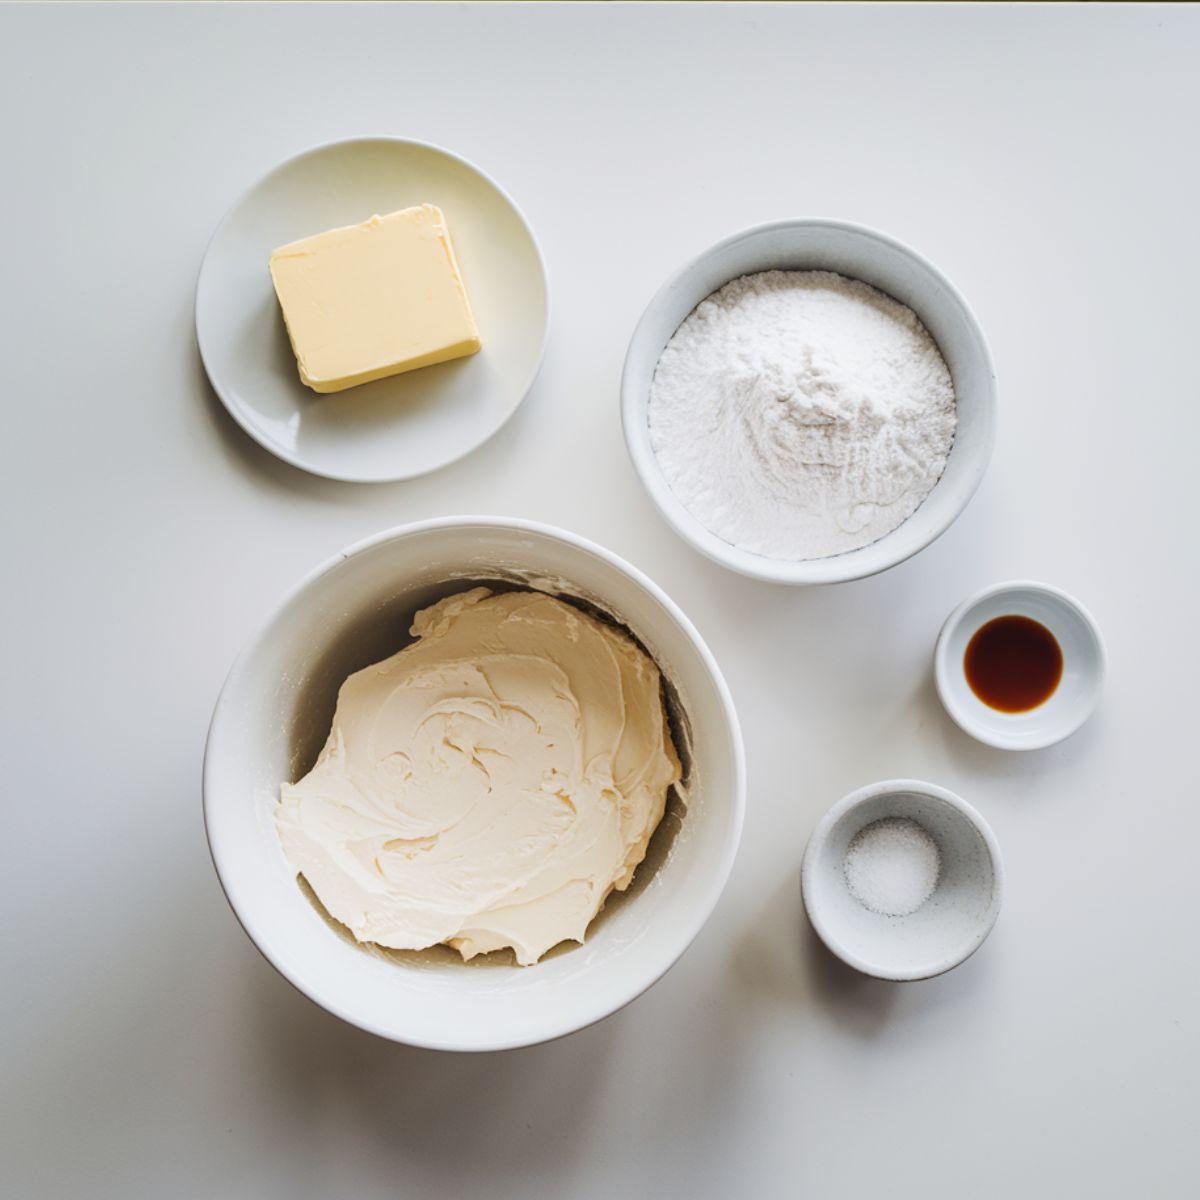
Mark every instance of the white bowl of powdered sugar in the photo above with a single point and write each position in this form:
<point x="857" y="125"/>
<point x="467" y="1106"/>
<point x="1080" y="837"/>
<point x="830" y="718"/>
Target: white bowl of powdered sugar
<point x="809" y="402"/>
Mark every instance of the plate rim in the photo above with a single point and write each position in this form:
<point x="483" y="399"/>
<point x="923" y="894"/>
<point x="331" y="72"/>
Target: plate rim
<point x="277" y="448"/>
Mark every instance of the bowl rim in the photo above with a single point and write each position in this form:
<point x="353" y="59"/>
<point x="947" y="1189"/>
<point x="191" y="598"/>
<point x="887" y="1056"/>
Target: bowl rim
<point x="816" y="844"/>
<point x="279" y="449"/>
<point x="237" y="895"/>
<point x="744" y="562"/>
<point x="963" y="719"/>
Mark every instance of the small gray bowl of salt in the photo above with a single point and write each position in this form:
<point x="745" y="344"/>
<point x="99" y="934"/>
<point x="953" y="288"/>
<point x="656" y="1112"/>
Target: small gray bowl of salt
<point x="902" y="880"/>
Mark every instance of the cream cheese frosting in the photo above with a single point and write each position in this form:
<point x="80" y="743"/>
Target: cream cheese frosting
<point x="488" y="785"/>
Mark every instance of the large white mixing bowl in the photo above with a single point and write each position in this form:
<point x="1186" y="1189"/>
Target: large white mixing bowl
<point x="274" y="713"/>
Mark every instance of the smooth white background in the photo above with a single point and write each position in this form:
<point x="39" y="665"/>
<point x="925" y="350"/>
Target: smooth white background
<point x="1045" y="159"/>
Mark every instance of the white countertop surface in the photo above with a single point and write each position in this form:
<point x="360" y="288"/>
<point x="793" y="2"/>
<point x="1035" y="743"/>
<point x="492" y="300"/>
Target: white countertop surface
<point x="1044" y="158"/>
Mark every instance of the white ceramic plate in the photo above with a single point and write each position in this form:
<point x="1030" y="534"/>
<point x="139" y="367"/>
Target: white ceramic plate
<point x="409" y="424"/>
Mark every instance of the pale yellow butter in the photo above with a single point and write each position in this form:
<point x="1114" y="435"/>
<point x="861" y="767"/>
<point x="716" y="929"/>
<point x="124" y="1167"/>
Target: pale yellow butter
<point x="371" y="300"/>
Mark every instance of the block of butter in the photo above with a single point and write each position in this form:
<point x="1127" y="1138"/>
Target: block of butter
<point x="371" y="300"/>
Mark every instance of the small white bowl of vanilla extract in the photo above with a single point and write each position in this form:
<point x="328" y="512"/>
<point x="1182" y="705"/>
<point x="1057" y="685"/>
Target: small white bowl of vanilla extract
<point x="1020" y="665"/>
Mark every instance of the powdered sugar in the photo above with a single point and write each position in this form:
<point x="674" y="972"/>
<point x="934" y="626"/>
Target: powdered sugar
<point x="800" y="414"/>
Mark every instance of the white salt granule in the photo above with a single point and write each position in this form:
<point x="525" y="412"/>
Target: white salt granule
<point x="892" y="866"/>
<point x="800" y="414"/>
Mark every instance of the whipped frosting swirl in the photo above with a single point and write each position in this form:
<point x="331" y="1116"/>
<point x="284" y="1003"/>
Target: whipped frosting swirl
<point x="488" y="785"/>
